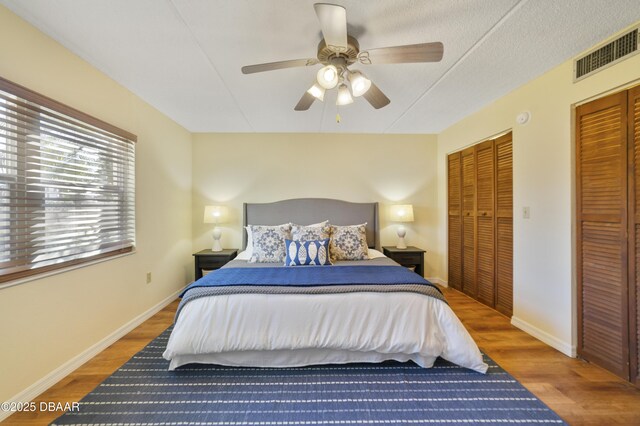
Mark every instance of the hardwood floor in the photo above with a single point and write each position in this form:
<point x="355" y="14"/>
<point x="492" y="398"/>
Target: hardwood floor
<point x="581" y="393"/>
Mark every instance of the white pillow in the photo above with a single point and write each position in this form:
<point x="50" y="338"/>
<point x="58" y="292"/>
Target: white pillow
<point x="373" y="254"/>
<point x="243" y="255"/>
<point x="249" y="248"/>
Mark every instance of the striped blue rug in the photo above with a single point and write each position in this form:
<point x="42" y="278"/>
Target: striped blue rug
<point x="144" y="392"/>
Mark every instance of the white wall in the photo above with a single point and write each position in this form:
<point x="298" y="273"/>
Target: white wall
<point x="230" y="169"/>
<point x="543" y="155"/>
<point x="46" y="322"/>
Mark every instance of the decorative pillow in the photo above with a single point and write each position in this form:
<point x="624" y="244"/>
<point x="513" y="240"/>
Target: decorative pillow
<point x="268" y="243"/>
<point x="314" y="252"/>
<point x="249" y="247"/>
<point x="348" y="243"/>
<point x="311" y="232"/>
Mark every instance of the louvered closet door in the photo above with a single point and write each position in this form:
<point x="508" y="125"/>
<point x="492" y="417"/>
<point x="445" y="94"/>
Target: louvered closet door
<point x="485" y="255"/>
<point x="634" y="246"/>
<point x="468" y="222"/>
<point x="602" y="225"/>
<point x="455" y="221"/>
<point x="504" y="224"/>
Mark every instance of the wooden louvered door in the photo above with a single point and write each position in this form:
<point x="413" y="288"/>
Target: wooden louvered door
<point x="504" y="224"/>
<point x="485" y="230"/>
<point x="468" y="161"/>
<point x="601" y="205"/>
<point x="633" y="137"/>
<point x="481" y="222"/>
<point x="455" y="220"/>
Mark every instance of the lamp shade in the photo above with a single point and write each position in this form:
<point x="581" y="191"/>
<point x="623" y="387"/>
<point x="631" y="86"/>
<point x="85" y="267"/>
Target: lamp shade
<point x="215" y="214"/>
<point x="402" y="213"/>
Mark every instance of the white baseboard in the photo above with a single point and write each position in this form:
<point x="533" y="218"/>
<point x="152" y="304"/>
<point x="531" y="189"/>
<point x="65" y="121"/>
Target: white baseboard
<point x="440" y="281"/>
<point x="68" y="367"/>
<point x="554" y="342"/>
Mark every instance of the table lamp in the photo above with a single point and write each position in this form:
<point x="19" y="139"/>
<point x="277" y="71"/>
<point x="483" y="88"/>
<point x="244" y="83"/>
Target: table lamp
<point x="401" y="213"/>
<point x="215" y="215"/>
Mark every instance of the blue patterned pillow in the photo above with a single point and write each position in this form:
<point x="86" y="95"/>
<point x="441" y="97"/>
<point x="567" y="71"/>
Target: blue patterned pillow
<point x="309" y="233"/>
<point x="315" y="252"/>
<point x="349" y="242"/>
<point x="268" y="243"/>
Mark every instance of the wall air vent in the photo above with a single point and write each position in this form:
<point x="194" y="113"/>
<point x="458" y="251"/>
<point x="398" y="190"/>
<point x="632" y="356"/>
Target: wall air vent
<point x="615" y="51"/>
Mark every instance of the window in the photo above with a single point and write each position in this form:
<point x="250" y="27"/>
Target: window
<point x="67" y="189"/>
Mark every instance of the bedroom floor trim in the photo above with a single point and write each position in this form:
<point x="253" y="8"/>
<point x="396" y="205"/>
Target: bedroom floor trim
<point x="581" y="393"/>
<point x="438" y="281"/>
<point x="68" y="368"/>
<point x="547" y="338"/>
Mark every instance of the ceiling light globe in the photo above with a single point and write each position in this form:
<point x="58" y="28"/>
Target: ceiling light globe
<point x="317" y="92"/>
<point x="344" y="96"/>
<point x="328" y="77"/>
<point x="359" y="83"/>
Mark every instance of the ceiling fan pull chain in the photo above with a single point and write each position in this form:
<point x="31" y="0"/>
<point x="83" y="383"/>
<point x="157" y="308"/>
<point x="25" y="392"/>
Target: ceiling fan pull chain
<point x="338" y="118"/>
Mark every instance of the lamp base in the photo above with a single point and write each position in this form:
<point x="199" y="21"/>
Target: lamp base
<point x="401" y="233"/>
<point x="217" y="233"/>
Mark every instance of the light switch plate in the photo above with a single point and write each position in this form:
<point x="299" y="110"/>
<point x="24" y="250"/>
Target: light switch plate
<point x="526" y="213"/>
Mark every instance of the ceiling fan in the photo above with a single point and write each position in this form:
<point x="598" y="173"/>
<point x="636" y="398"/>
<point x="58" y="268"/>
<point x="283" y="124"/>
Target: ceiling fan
<point x="338" y="51"/>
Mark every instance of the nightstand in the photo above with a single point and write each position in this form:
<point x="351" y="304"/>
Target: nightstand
<point x="209" y="260"/>
<point x="411" y="257"/>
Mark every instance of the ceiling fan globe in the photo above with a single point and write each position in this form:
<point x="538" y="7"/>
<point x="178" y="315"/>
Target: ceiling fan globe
<point x="328" y="77"/>
<point x="317" y="92"/>
<point x="359" y="83"/>
<point x="344" y="96"/>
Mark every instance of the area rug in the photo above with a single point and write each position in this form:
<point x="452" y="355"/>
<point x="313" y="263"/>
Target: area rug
<point x="144" y="392"/>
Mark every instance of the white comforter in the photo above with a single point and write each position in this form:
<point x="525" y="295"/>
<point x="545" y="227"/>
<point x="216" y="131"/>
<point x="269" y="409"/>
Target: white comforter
<point x="294" y="330"/>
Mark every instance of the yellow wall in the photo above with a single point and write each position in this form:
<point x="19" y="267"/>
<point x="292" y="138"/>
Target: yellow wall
<point x="543" y="155"/>
<point x="46" y="322"/>
<point x="231" y="169"/>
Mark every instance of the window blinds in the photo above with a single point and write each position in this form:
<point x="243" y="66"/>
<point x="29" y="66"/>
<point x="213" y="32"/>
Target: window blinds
<point x="67" y="189"/>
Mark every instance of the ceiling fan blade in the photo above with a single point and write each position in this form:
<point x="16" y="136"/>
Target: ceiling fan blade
<point x="376" y="98"/>
<point x="305" y="102"/>
<point x="423" y="52"/>
<point x="333" y="22"/>
<point x="270" y="66"/>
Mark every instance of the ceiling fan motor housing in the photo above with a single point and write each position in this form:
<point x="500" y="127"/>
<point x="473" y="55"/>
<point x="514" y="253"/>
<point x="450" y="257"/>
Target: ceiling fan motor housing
<point x="339" y="56"/>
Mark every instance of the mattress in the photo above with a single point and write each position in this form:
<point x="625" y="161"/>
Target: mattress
<point x="291" y="330"/>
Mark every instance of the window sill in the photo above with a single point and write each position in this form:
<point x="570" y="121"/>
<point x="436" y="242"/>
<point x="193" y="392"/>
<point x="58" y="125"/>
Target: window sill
<point x="63" y="270"/>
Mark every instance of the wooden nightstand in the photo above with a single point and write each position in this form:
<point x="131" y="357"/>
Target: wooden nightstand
<point x="210" y="260"/>
<point x="411" y="257"/>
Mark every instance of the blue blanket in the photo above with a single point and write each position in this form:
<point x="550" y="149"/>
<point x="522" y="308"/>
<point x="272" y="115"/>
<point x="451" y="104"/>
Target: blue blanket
<point x="310" y="276"/>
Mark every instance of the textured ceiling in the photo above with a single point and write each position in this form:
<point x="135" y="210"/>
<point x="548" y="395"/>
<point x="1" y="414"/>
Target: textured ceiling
<point x="184" y="56"/>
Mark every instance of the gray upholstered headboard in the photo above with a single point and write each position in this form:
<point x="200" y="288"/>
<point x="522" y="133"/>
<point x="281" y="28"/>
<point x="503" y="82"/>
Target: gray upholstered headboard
<point x="305" y="211"/>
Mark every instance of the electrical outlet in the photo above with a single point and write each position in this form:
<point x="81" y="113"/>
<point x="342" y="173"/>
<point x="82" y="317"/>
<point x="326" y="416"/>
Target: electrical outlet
<point x="526" y="213"/>
<point x="148" y="277"/>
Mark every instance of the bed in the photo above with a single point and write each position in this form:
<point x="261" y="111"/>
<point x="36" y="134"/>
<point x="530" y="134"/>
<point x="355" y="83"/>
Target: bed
<point x="266" y="314"/>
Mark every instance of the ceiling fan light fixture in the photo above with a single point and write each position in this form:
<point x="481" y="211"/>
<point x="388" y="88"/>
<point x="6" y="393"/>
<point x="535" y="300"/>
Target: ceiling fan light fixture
<point x="359" y="83"/>
<point x="317" y="91"/>
<point x="344" y="95"/>
<point x="328" y="77"/>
